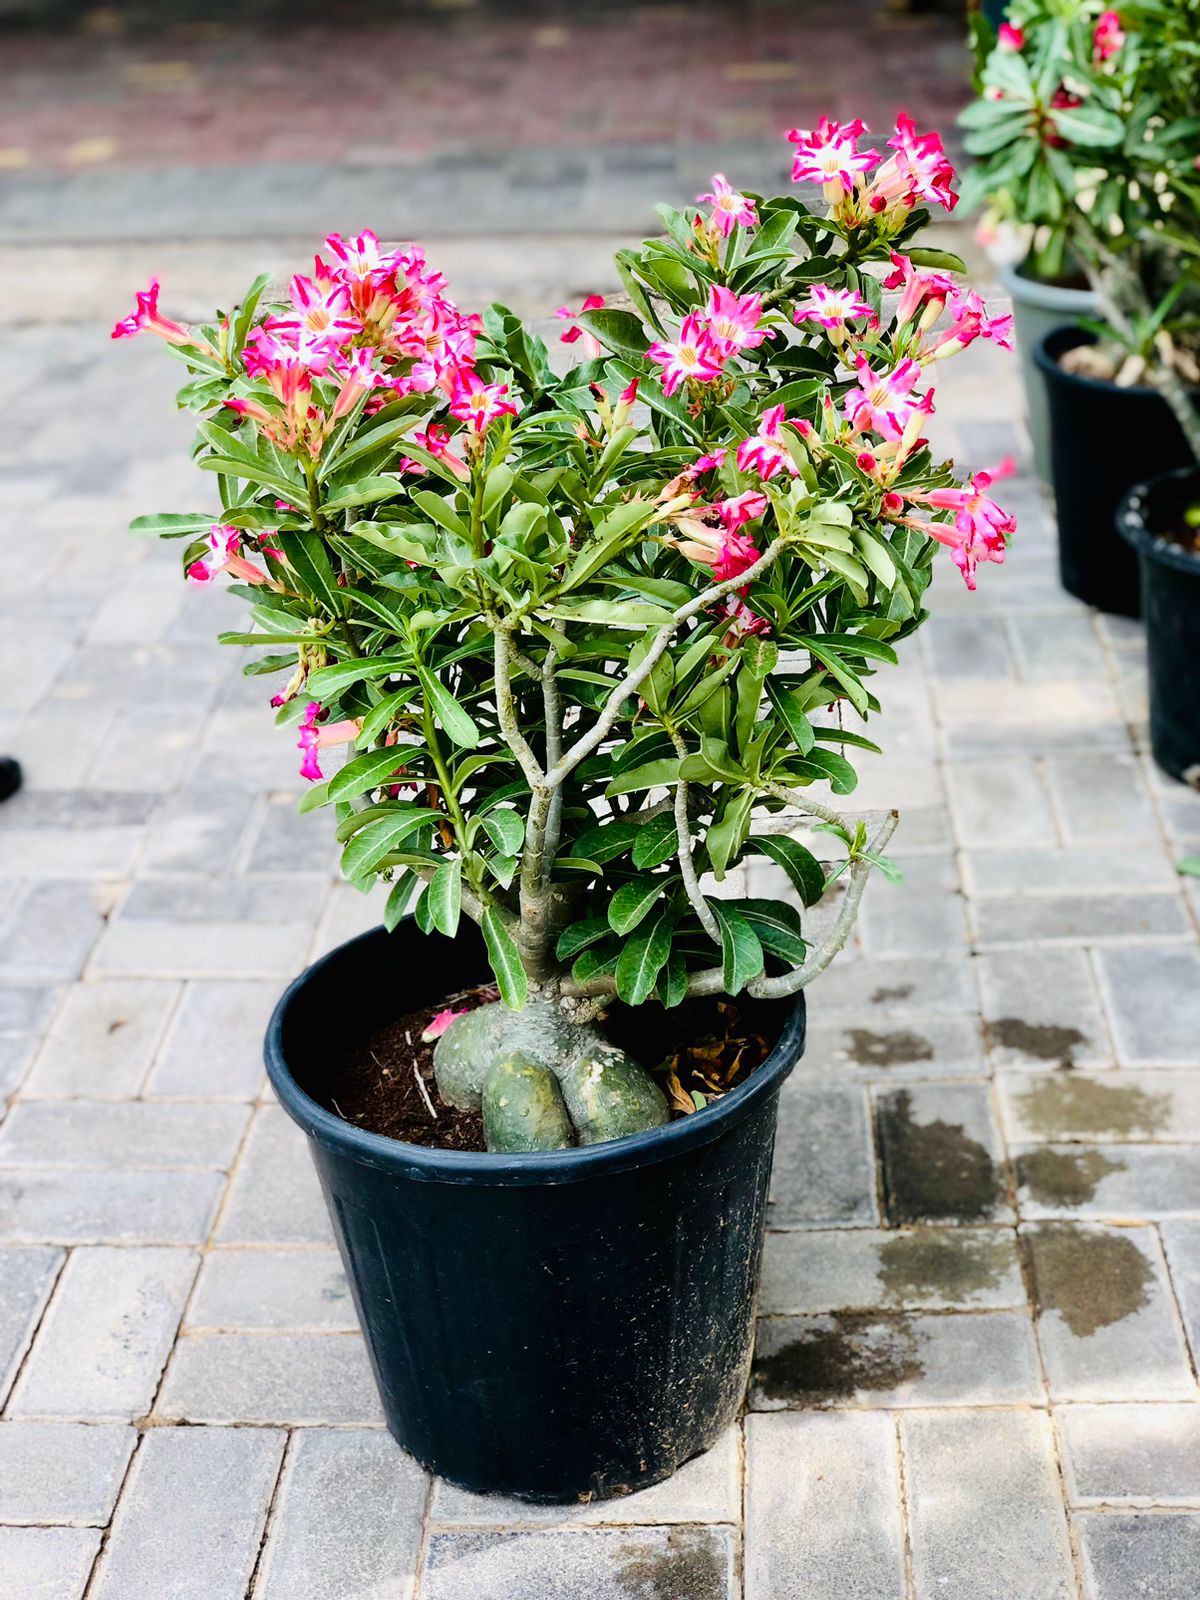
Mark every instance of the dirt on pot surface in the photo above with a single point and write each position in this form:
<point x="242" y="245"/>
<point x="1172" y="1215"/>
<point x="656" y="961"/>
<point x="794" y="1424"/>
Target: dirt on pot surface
<point x="703" y="1047"/>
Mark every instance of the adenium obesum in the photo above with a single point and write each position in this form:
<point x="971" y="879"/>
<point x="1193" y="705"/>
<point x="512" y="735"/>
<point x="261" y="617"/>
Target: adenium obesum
<point x="583" y="630"/>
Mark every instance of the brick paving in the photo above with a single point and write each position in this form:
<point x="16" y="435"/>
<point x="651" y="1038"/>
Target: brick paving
<point x="980" y="1313"/>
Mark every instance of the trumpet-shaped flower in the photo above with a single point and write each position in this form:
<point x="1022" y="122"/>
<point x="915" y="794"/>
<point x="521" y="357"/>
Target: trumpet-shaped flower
<point x="146" y="318"/>
<point x="733" y="321"/>
<point x="730" y="209"/>
<point x="358" y="374"/>
<point x="479" y="404"/>
<point x="314" y="738"/>
<point x="829" y="155"/>
<point x="883" y="401"/>
<point x="970" y="321"/>
<point x="224" y="555"/>
<point x="440" y="1021"/>
<point x="322" y="312"/>
<point x="695" y="354"/>
<point x="742" y="508"/>
<point x="591" y="344"/>
<point x="766" y="451"/>
<point x="980" y="530"/>
<point x="833" y="308"/>
<point x="1107" y="36"/>
<point x="925" y="292"/>
<point x="919" y="170"/>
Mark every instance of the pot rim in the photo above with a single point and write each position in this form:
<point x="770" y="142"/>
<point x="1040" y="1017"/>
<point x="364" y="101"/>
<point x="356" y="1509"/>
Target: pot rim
<point x="1135" y="529"/>
<point x="431" y="1165"/>
<point x="1067" y="338"/>
<point x="1020" y="286"/>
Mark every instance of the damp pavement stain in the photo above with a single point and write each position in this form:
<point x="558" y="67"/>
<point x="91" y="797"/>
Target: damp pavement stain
<point x="952" y="1267"/>
<point x="692" y="1567"/>
<point x="897" y="1049"/>
<point x="933" y="1171"/>
<point x="835" y="1358"/>
<point x="883" y="997"/>
<point x="1044" y="1041"/>
<point x="1069" y="1106"/>
<point x="1064" y="1177"/>
<point x="1093" y="1279"/>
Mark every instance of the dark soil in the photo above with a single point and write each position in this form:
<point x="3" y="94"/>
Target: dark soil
<point x="1185" y="536"/>
<point x="704" y="1047"/>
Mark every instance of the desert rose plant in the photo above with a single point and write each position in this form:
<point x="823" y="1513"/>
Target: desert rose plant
<point x="1086" y="133"/>
<point x="578" y="634"/>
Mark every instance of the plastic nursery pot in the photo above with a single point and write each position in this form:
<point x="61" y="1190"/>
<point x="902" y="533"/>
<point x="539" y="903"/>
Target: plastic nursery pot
<point x="1103" y="440"/>
<point x="1038" y="309"/>
<point x="1171" y="598"/>
<point x="554" y="1326"/>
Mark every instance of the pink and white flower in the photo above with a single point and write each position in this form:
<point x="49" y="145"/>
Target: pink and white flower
<point x="833" y="308"/>
<point x="479" y="404"/>
<point x="766" y="451"/>
<point x="730" y="209"/>
<point x="224" y="555"/>
<point x="733" y="321"/>
<point x="358" y="375"/>
<point x="883" y="401"/>
<point x="980" y="530"/>
<point x="314" y="738"/>
<point x="694" y="355"/>
<point x="919" y="170"/>
<point x="594" y="302"/>
<point x="829" y="155"/>
<point x="1107" y="36"/>
<point x="925" y="292"/>
<point x="970" y="321"/>
<point x="742" y="508"/>
<point x="1010" y="37"/>
<point x="440" y="1021"/>
<point x="146" y="318"/>
<point x="322" y="312"/>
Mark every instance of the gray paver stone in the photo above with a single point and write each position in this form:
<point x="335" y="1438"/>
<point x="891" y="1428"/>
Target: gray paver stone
<point x="213" y="1048"/>
<point x="1041" y="1007"/>
<point x="272" y="1290"/>
<point x="824" y="1169"/>
<point x="46" y="1563"/>
<point x="1128" y="1557"/>
<point x="275" y="1197"/>
<point x="1153" y="998"/>
<point x="1115" y="1181"/>
<point x="107" y="1207"/>
<point x="122" y="1134"/>
<point x="931" y="1269"/>
<point x="295" y="1378"/>
<point x="940" y="1154"/>
<point x="63" y="1472"/>
<point x="103" y="1040"/>
<point x="26" y="1279"/>
<point x="1141" y="1455"/>
<point x="578" y="1564"/>
<point x="1181" y="1241"/>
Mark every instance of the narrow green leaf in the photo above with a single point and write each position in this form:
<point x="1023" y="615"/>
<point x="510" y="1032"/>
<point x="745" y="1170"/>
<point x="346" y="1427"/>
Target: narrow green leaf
<point x="506" y="829"/>
<point x="367" y="491"/>
<point x="792" y="716"/>
<point x="672" y="988"/>
<point x="632" y="901"/>
<point x="741" y="953"/>
<point x="397" y="900"/>
<point x="371" y="844"/>
<point x="643" y="958"/>
<point x="505" y="961"/>
<point x="777" y="925"/>
<point x="802" y="867"/>
<point x="579" y="935"/>
<point x="365" y="772"/>
<point x="657" y="841"/>
<point x="447" y="710"/>
<point x="651" y="775"/>
<point x="444" y="898"/>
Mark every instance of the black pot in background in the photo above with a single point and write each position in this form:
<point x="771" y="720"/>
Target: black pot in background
<point x="556" y="1325"/>
<point x="1038" y="309"/>
<point x="1171" y="597"/>
<point x="1103" y="440"/>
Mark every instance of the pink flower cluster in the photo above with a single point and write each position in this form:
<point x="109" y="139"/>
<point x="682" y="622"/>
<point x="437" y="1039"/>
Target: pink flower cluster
<point x="917" y="170"/>
<point x="708" y="338"/>
<point x="980" y="530"/>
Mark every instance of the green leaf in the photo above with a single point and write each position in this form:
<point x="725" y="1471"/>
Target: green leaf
<point x="618" y="331"/>
<point x="579" y="935"/>
<point x="327" y="682"/>
<point x="608" y="538"/>
<point x="506" y="828"/>
<point x="365" y="772"/>
<point x="505" y="961"/>
<point x="315" y="795"/>
<point x="939" y="260"/>
<point x="791" y="715"/>
<point x="643" y="958"/>
<point x="363" y="493"/>
<point x="1188" y="866"/>
<point x="613" y="613"/>
<point x="632" y="901"/>
<point x="447" y="710"/>
<point x="173" y="524"/>
<point x="672" y="988"/>
<point x="441" y="512"/>
<point x="378" y="839"/>
<point x="397" y="900"/>
<point x="651" y="775"/>
<point x="444" y="898"/>
<point x="741" y="952"/>
<point x="657" y="841"/>
<point x="802" y="867"/>
<point x="308" y="556"/>
<point x="727" y="833"/>
<point x="777" y="925"/>
<point x="1088" y="125"/>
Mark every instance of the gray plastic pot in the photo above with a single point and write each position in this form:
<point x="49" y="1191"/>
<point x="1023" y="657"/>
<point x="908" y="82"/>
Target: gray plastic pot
<point x="1039" y="308"/>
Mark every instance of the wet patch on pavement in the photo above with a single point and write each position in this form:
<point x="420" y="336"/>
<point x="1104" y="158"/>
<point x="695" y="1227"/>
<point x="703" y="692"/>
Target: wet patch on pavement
<point x="1091" y="1278"/>
<point x="953" y="1267"/>
<point x="933" y="1170"/>
<point x="1067" y="1105"/>
<point x="1064" y="1177"/>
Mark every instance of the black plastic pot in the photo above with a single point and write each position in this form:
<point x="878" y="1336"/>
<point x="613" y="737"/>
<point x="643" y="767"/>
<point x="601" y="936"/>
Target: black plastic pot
<point x="553" y="1326"/>
<point x="1171" y="596"/>
<point x="1039" y="308"/>
<point x="1103" y="440"/>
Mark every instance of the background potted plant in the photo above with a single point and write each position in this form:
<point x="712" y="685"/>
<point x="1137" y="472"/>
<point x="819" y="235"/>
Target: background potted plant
<point x="1087" y="128"/>
<point x="581" y="635"/>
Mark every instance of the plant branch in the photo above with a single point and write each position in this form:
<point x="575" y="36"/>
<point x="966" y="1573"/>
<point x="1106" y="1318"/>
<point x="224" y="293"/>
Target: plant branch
<point x="687" y="867"/>
<point x="803" y="802"/>
<point x="633" y="679"/>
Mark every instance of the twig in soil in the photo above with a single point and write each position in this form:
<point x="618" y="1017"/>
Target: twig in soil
<point x="424" y="1091"/>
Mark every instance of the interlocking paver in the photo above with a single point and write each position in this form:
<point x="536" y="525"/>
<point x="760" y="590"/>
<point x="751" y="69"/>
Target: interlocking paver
<point x="823" y="1508"/>
<point x="192" y="1514"/>
<point x="1001" y="802"/>
<point x="1041" y="1007"/>
<point x="62" y="1472"/>
<point x="592" y="1564"/>
<point x="1125" y="1107"/>
<point x="347" y="1519"/>
<point x="1106" y="1319"/>
<point x="1115" y="1181"/>
<point x="1181" y="1241"/>
<point x="103" y="1040"/>
<point x="26" y="1279"/>
<point x="1101" y="799"/>
<point x="1139" y="1455"/>
<point x="894" y="1046"/>
<point x="1153" y="998"/>
<point x="985" y="1508"/>
<point x="928" y="1269"/>
<point x="275" y="1197"/>
<point x="1079" y="918"/>
<point x="940" y="1154"/>
<point x="262" y="1290"/>
<point x="105" y="1338"/>
<point x="295" y="1378"/>
<point x="1063" y="870"/>
<point x="107" y="1207"/>
<point x="46" y="1563"/>
<point x="824" y="1173"/>
<point x="1148" y="1555"/>
<point x="213" y="1047"/>
<point x="125" y="1134"/>
<point x="705" y="1489"/>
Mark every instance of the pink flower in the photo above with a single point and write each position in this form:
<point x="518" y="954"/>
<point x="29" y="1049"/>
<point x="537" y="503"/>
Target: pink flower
<point x="710" y="462"/>
<point x="742" y="620"/>
<point x="322" y="312"/>
<point x="733" y="321"/>
<point x="440" y="1021"/>
<point x="919" y="170"/>
<point x="1107" y="37"/>
<point x="224" y="555"/>
<point x="832" y="308"/>
<point x="743" y="508"/>
<point x="882" y="401"/>
<point x="478" y="404"/>
<point x="730" y="209"/>
<point x="626" y="401"/>
<point x="970" y="321"/>
<point x="145" y="318"/>
<point x="358" y="374"/>
<point x="728" y="553"/>
<point x="766" y="452"/>
<point x="436" y="440"/>
<point x="980" y="530"/>
<point x="920" y="289"/>
<point x="312" y="739"/>
<point x="694" y="355"/>
<point x="591" y="344"/>
<point x="1010" y="37"/>
<point x="829" y="155"/>
<point x="361" y="257"/>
